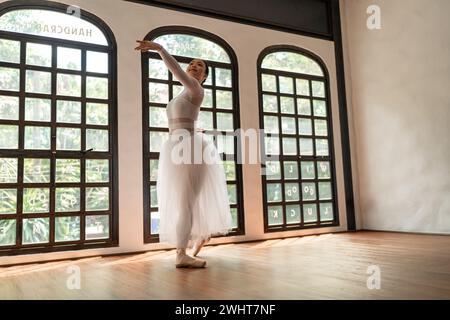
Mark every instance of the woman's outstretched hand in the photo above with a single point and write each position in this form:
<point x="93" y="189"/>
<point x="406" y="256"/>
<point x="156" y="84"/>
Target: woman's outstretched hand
<point x="145" y="45"/>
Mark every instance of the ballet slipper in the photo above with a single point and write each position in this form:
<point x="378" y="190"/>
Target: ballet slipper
<point x="185" y="261"/>
<point x="197" y="247"/>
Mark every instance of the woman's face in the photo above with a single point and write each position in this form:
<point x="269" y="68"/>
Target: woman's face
<point x="196" y="69"/>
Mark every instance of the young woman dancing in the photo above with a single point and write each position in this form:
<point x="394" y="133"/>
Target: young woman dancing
<point x="192" y="195"/>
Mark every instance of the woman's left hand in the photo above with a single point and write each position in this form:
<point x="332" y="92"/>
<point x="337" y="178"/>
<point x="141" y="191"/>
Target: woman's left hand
<point x="146" y="45"/>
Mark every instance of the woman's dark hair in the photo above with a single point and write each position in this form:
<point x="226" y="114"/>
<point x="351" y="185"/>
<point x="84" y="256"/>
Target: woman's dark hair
<point x="206" y="70"/>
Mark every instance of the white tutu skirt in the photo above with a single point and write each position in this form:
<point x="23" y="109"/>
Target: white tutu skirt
<point x="191" y="190"/>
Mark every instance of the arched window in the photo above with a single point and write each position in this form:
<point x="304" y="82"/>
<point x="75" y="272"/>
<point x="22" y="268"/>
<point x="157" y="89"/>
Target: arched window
<point x="219" y="112"/>
<point x="294" y="101"/>
<point x="58" y="143"/>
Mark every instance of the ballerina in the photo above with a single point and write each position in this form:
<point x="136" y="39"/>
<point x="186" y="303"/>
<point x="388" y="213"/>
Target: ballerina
<point x="192" y="195"/>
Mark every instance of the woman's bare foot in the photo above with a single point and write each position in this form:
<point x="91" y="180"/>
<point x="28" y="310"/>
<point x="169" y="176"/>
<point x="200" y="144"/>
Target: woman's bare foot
<point x="196" y="249"/>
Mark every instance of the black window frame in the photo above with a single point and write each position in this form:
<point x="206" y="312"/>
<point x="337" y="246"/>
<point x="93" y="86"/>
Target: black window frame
<point x="147" y="155"/>
<point x="331" y="157"/>
<point x="52" y="153"/>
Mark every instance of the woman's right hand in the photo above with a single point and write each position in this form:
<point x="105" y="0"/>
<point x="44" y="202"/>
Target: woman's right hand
<point x="145" y="45"/>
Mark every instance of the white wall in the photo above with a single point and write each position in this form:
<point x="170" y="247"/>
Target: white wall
<point x="398" y="79"/>
<point x="131" y="21"/>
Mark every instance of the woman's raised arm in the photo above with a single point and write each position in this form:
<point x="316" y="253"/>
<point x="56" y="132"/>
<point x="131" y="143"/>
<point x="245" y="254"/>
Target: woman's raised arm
<point x="186" y="80"/>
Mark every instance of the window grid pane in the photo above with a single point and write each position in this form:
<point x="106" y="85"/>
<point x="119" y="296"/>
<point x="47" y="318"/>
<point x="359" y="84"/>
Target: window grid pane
<point x="298" y="186"/>
<point x="60" y="192"/>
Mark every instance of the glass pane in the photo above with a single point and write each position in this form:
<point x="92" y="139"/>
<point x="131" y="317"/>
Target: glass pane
<point x="39" y="54"/>
<point x="38" y="82"/>
<point x="153" y="197"/>
<point x="158" y="117"/>
<point x="9" y="51"/>
<point x="97" y="170"/>
<point x="97" y="198"/>
<point x="97" y="114"/>
<point x="68" y="139"/>
<point x="69" y="58"/>
<point x="320" y="109"/>
<point x="274" y="192"/>
<point x="225" y="121"/>
<point x="288" y="125"/>
<point x="224" y="99"/>
<point x="230" y="170"/>
<point x="323" y="170"/>
<point x="270" y="103"/>
<point x="269" y="82"/>
<point x="309" y="213"/>
<point x="156" y="140"/>
<point x="271" y="124"/>
<point x="286" y="85"/>
<point x="36" y="170"/>
<point x="326" y="211"/>
<point x="234" y="217"/>
<point x="35" y="230"/>
<point x="225" y="143"/>
<point x="293" y="213"/>
<point x="320" y="127"/>
<point x="97" y="140"/>
<point x="232" y="193"/>
<point x="9" y="79"/>
<point x="8" y="201"/>
<point x="272" y="145"/>
<point x="273" y="171"/>
<point x="292" y="62"/>
<point x="7" y="232"/>
<point x="37" y="109"/>
<point x="9" y="137"/>
<point x="207" y="99"/>
<point x="305" y="126"/>
<point x="158" y="92"/>
<point x="67" y="229"/>
<point x="37" y="138"/>
<point x="65" y="26"/>
<point x="67" y="170"/>
<point x="193" y="46"/>
<point x="223" y="77"/>
<point x="157" y="69"/>
<point x="97" y="88"/>
<point x="176" y="89"/>
<point x="67" y="199"/>
<point x="318" y="89"/>
<point x="205" y="120"/>
<point x="306" y="147"/>
<point x="275" y="215"/>
<point x="153" y="169"/>
<point x="325" y="191"/>
<point x="36" y="200"/>
<point x="68" y="85"/>
<point x="302" y="87"/>
<point x="97" y="62"/>
<point x="154" y="216"/>
<point x="308" y="191"/>
<point x="308" y="170"/>
<point x="289" y="146"/>
<point x="322" y="147"/>
<point x="68" y="111"/>
<point x="97" y="227"/>
<point x="292" y="192"/>
<point x="287" y="105"/>
<point x="290" y="170"/>
<point x="9" y="108"/>
<point x="8" y="170"/>
<point x="304" y="107"/>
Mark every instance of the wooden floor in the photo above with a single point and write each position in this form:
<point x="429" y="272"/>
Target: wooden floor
<point x="331" y="266"/>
